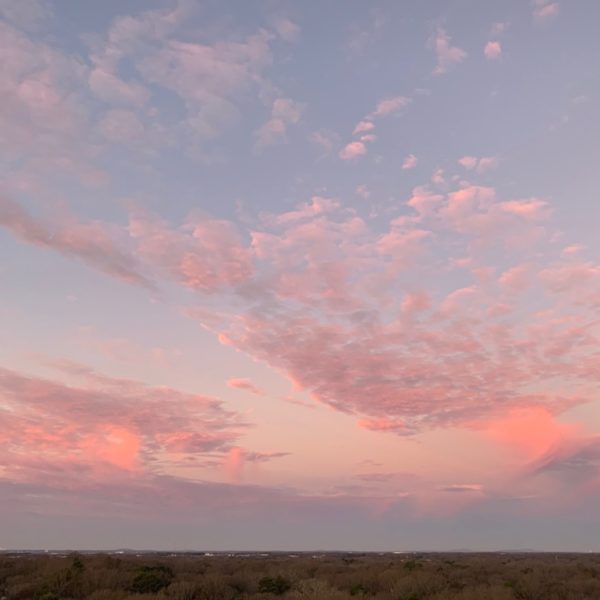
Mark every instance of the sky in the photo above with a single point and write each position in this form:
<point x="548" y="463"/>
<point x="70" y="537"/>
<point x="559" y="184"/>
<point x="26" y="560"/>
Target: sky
<point x="300" y="275"/>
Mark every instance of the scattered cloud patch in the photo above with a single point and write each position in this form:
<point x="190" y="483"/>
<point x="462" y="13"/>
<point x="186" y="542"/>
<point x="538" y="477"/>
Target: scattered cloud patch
<point x="480" y="165"/>
<point x="121" y="126"/>
<point x="447" y="55"/>
<point x="410" y="162"/>
<point x="28" y="14"/>
<point x="326" y="140"/>
<point x="363" y="191"/>
<point x="545" y="9"/>
<point x="284" y="112"/>
<point x="499" y="28"/>
<point x="363" y="127"/>
<point x="390" y="106"/>
<point x="493" y="50"/>
<point x="286" y="29"/>
<point x="353" y="150"/>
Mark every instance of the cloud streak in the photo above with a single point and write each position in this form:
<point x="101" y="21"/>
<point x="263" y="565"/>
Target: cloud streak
<point x="94" y="243"/>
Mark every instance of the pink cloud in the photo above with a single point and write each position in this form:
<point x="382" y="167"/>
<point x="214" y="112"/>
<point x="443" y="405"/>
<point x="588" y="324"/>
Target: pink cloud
<point x="383" y="424"/>
<point x="235" y="463"/>
<point x="261" y="457"/>
<point x="533" y="209"/>
<point x="326" y="140"/>
<point x="45" y="118"/>
<point x="468" y="162"/>
<point x="29" y="14"/>
<point x="113" y="90"/>
<point x="363" y="191"/>
<point x="517" y="278"/>
<point x="209" y="78"/>
<point x="363" y="127"/>
<point x="532" y="430"/>
<point x="260" y="336"/>
<point x="403" y="245"/>
<point x="447" y="55"/>
<point x="306" y="256"/>
<point x="424" y="201"/>
<point x="237" y="458"/>
<point x="438" y="178"/>
<point x="92" y="242"/>
<point x="308" y="210"/>
<point x="245" y="385"/>
<point x="499" y="28"/>
<point x="461" y="488"/>
<point x="410" y="162"/>
<point x="572" y="250"/>
<point x="364" y="319"/>
<point x="116" y="445"/>
<point x="486" y="163"/>
<point x="571" y="276"/>
<point x="456" y="300"/>
<point x="390" y="106"/>
<point x="500" y="309"/>
<point x="287" y="29"/>
<point x="576" y="461"/>
<point x="204" y="254"/>
<point x="416" y="302"/>
<point x="104" y="423"/>
<point x="353" y="150"/>
<point x="464" y="203"/>
<point x="472" y="163"/>
<point x="545" y="9"/>
<point x="283" y="113"/>
<point x="121" y="126"/>
<point x="493" y="50"/>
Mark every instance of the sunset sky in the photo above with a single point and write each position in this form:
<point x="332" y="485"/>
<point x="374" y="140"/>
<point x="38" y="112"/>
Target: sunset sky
<point x="300" y="275"/>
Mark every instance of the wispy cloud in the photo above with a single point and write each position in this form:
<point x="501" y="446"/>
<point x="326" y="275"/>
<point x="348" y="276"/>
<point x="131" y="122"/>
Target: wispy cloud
<point x="545" y="9"/>
<point x="92" y="242"/>
<point x="285" y="112"/>
<point x="245" y="385"/>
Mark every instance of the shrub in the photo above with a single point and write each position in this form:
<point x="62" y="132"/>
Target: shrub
<point x="357" y="589"/>
<point x="152" y="579"/>
<point x="317" y="589"/>
<point x="77" y="564"/>
<point x="182" y="590"/>
<point x="411" y="565"/>
<point x="274" y="585"/>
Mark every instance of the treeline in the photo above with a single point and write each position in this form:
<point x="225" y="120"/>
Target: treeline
<point x="328" y="577"/>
